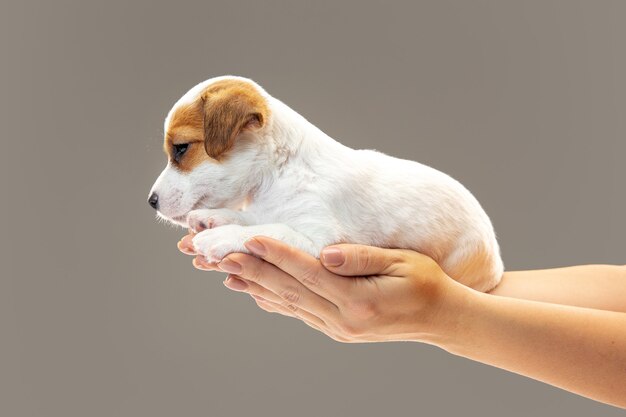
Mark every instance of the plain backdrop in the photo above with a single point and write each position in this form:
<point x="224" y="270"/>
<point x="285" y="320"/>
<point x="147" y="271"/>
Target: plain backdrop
<point x="524" y="102"/>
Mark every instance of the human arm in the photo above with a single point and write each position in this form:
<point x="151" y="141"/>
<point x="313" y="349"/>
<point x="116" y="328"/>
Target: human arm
<point x="581" y="350"/>
<point x="593" y="286"/>
<point x="406" y="296"/>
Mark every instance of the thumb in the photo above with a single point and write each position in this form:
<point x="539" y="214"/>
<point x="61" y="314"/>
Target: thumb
<point x="351" y="260"/>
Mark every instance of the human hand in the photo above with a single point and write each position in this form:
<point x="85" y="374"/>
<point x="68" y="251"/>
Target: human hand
<point x="366" y="294"/>
<point x="354" y="294"/>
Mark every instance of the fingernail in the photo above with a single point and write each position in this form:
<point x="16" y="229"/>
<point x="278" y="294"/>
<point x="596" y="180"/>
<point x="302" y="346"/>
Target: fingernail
<point x="332" y="257"/>
<point x="255" y="247"/>
<point x="235" y="284"/>
<point x="229" y="266"/>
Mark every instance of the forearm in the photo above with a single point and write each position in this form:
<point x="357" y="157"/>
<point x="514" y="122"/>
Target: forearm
<point x="594" y="286"/>
<point x="577" y="349"/>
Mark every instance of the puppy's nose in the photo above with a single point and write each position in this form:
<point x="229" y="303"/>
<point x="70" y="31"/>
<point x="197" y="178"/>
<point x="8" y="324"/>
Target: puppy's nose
<point x="153" y="200"/>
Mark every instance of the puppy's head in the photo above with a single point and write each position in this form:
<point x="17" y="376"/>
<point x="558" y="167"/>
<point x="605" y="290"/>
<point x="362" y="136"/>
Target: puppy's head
<point x="212" y="136"/>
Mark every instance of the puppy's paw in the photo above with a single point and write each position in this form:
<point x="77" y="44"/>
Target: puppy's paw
<point x="215" y="244"/>
<point x="203" y="219"/>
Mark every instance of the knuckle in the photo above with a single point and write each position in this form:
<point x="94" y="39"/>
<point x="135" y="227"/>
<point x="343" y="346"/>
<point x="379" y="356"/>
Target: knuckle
<point x="281" y="257"/>
<point x="253" y="274"/>
<point x="290" y="296"/>
<point x="311" y="277"/>
<point x="363" y="260"/>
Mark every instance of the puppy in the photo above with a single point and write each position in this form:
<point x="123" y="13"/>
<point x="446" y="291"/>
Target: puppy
<point x="241" y="163"/>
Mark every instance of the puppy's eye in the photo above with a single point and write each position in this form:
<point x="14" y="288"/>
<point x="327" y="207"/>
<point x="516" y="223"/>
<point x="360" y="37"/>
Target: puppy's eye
<point x="179" y="151"/>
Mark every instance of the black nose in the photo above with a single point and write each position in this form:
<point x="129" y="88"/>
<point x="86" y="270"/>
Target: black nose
<point x="153" y="200"/>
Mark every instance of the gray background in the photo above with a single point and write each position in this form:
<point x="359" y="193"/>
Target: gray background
<point x="100" y="315"/>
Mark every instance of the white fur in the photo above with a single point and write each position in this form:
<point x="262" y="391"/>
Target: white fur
<point x="296" y="184"/>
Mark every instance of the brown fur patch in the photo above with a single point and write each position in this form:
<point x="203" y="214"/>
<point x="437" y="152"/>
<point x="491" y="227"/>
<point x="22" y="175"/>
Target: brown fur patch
<point x="230" y="107"/>
<point x="223" y="110"/>
<point x="471" y="272"/>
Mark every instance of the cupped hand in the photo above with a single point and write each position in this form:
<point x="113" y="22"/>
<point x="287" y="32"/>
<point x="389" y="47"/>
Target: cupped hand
<point x="354" y="293"/>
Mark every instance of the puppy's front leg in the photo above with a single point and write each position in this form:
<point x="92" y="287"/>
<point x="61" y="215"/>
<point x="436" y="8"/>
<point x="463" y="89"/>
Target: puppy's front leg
<point x="199" y="220"/>
<point x="216" y="243"/>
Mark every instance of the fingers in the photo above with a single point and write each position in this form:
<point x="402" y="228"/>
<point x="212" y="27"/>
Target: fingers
<point x="186" y="246"/>
<point x="300" y="265"/>
<point x="355" y="260"/>
<point x="287" y="288"/>
<point x="289" y="311"/>
<point x="259" y="293"/>
<point x="203" y="264"/>
<point x="271" y="307"/>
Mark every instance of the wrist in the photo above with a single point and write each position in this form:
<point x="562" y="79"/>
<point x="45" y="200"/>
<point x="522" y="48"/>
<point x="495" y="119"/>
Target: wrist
<point x="458" y="306"/>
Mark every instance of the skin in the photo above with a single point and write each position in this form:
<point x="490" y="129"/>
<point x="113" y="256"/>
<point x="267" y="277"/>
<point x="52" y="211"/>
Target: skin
<point x="564" y="326"/>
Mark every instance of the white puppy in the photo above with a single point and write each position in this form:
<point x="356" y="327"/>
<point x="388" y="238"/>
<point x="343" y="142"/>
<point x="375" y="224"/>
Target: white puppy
<point x="242" y="163"/>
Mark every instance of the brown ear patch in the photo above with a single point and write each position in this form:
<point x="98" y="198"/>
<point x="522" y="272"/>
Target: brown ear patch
<point x="229" y="108"/>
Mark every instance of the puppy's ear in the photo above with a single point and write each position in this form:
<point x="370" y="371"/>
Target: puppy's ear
<point x="228" y="113"/>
